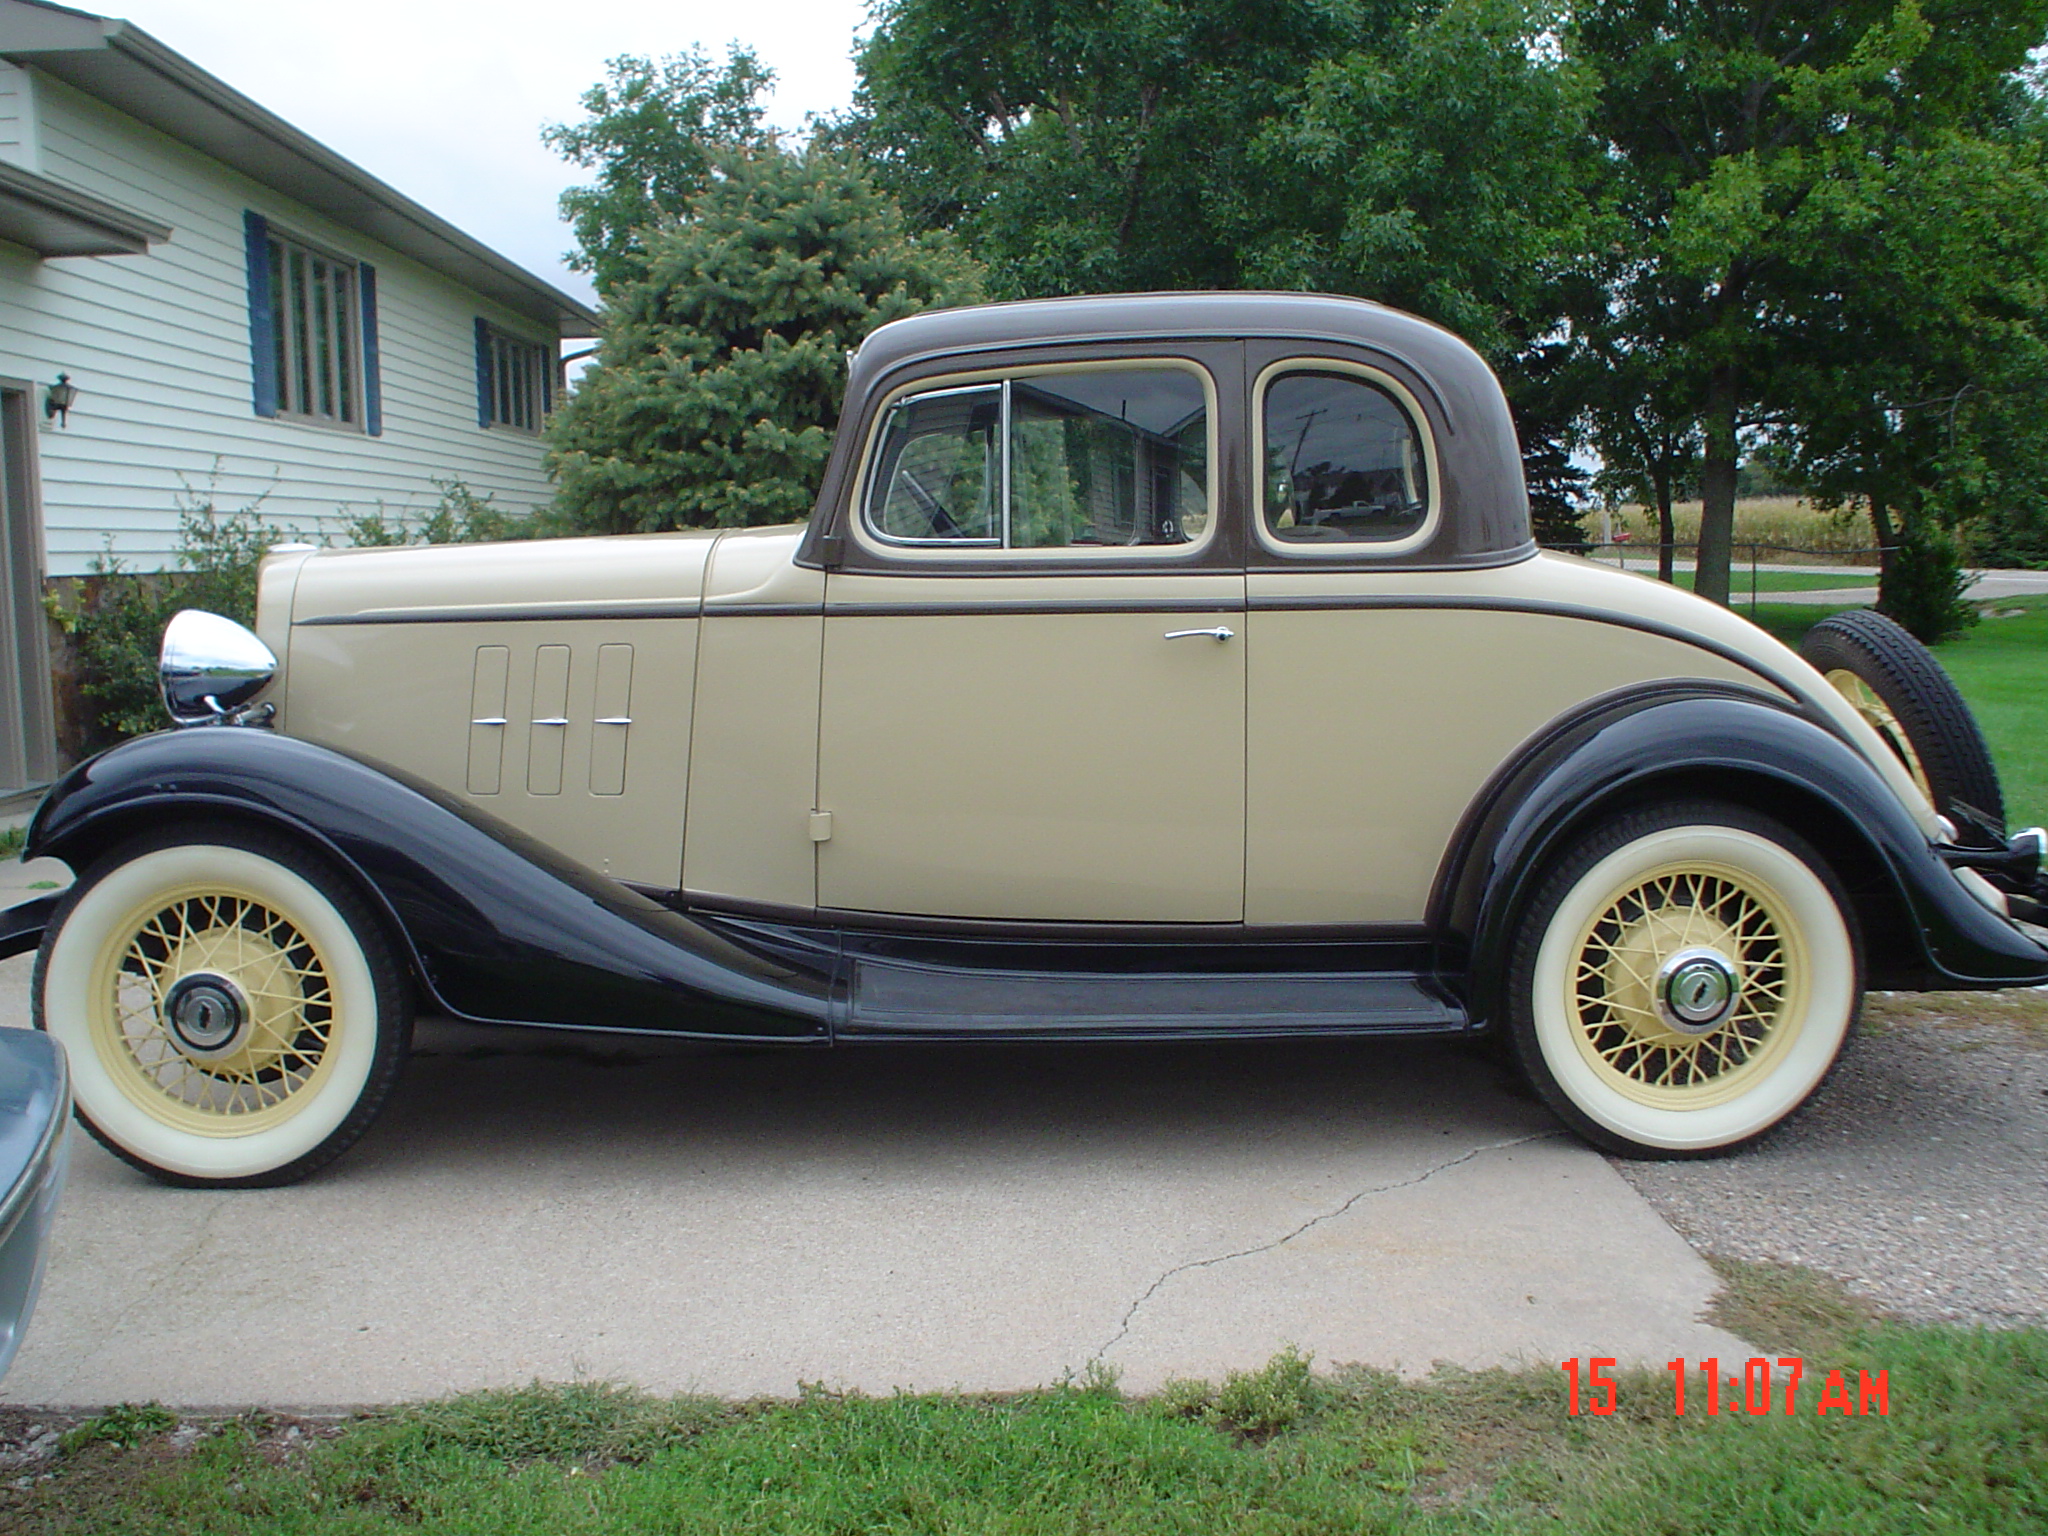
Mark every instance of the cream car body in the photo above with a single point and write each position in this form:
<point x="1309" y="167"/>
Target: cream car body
<point x="1150" y="666"/>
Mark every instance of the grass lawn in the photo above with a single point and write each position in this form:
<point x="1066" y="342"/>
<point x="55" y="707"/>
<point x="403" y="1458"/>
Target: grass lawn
<point x="1277" y="1450"/>
<point x="1768" y="580"/>
<point x="2001" y="666"/>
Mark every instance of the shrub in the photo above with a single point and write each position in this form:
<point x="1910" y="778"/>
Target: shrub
<point x="117" y="625"/>
<point x="1923" y="586"/>
<point x="119" y="622"/>
<point x="460" y="517"/>
<point x="1277" y="1396"/>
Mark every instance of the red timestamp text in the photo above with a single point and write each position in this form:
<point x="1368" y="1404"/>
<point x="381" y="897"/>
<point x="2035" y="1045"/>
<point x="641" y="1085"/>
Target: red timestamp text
<point x="1764" y="1386"/>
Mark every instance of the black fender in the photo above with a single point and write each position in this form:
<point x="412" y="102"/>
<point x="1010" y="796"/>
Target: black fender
<point x="499" y="927"/>
<point x="1730" y="743"/>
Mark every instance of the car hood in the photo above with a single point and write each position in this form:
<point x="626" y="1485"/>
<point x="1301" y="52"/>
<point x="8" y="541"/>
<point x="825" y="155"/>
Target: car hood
<point x="648" y="574"/>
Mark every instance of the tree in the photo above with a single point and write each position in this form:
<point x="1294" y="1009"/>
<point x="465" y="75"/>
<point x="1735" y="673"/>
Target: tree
<point x="721" y="364"/>
<point x="1733" y="127"/>
<point x="656" y="129"/>
<point x="1083" y="146"/>
<point x="1440" y="166"/>
<point x="1919" y="372"/>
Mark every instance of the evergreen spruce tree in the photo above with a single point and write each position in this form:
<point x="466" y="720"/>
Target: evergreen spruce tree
<point x="719" y="372"/>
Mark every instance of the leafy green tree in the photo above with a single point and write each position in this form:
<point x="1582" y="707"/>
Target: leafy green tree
<point x="1441" y="166"/>
<point x="1737" y="129"/>
<point x="655" y="131"/>
<point x="1430" y="154"/>
<point x="1914" y="384"/>
<point x="720" y="367"/>
<point x="1086" y="146"/>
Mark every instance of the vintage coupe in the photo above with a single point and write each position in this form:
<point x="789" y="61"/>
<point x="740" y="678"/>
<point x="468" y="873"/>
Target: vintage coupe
<point x="1152" y="666"/>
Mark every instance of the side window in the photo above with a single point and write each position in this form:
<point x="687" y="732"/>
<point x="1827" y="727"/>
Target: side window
<point x="939" y="473"/>
<point x="1343" y="462"/>
<point x="1063" y="459"/>
<point x="1115" y="458"/>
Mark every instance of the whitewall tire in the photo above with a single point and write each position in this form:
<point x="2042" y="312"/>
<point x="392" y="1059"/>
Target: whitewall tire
<point x="1683" y="980"/>
<point x="231" y="1009"/>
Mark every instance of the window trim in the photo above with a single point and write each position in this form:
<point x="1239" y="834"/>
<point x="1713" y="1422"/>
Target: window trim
<point x="363" y="396"/>
<point x="1349" y="549"/>
<point x="878" y="543"/>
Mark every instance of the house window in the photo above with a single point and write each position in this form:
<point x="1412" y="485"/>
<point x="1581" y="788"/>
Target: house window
<point x="514" y="380"/>
<point x="316" y="334"/>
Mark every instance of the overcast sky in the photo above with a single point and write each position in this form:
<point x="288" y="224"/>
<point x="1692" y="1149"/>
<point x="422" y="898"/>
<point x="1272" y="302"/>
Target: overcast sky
<point x="444" y="99"/>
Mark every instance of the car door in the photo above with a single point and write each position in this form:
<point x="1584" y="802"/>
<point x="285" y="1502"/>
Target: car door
<point x="1033" y="688"/>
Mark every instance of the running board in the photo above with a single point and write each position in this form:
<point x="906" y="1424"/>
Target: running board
<point x="897" y="1000"/>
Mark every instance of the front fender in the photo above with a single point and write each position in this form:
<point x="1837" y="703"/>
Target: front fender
<point x="500" y="928"/>
<point x="1713" y="742"/>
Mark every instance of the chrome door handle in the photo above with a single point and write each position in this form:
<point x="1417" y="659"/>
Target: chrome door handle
<point x="1220" y="632"/>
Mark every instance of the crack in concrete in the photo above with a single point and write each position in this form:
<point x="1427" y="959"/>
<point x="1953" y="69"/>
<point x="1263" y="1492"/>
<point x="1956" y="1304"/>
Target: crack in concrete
<point x="1131" y="1313"/>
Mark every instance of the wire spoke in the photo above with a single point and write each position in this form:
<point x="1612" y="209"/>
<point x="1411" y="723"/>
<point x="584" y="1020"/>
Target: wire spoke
<point x="280" y="976"/>
<point x="1644" y="927"/>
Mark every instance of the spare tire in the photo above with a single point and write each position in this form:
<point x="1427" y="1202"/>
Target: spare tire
<point x="1895" y="683"/>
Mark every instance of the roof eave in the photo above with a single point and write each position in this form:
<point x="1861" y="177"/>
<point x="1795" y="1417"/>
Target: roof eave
<point x="124" y="66"/>
<point x="53" y="219"/>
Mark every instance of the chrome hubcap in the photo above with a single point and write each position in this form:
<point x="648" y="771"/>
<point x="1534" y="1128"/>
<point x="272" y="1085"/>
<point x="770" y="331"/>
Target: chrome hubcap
<point x="207" y="1013"/>
<point x="1696" y="990"/>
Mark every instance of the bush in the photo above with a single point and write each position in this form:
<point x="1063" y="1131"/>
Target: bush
<point x="460" y="517"/>
<point x="119" y="622"/>
<point x="116" y="628"/>
<point x="1923" y="585"/>
<point x="2014" y="535"/>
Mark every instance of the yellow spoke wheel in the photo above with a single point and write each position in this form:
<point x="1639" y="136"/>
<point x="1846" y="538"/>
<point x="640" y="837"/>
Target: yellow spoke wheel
<point x="231" y="1010"/>
<point x="1684" y="980"/>
<point x="1687" y="983"/>
<point x="218" y="1010"/>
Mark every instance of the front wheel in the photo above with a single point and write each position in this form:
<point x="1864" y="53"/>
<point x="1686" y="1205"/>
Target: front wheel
<point x="231" y="1009"/>
<point x="1683" y="980"/>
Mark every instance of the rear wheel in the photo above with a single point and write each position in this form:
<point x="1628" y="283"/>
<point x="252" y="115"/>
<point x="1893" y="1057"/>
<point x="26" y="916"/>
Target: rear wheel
<point x="1896" y="684"/>
<point x="231" y="1009"/>
<point x="1683" y="980"/>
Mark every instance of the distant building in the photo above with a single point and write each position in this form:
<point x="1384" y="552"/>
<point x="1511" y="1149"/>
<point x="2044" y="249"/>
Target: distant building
<point x="244" y="316"/>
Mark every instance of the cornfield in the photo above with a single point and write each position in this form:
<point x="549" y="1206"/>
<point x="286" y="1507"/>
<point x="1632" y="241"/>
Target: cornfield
<point x="1800" y="531"/>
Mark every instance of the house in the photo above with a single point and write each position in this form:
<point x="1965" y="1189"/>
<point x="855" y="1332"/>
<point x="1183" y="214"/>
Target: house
<point x="199" y="302"/>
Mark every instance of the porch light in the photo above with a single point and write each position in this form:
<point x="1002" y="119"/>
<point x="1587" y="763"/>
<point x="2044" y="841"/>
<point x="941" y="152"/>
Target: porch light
<point x="59" y="398"/>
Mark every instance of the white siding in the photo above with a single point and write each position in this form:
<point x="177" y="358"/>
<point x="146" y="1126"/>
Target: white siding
<point x="158" y="346"/>
<point x="17" y="116"/>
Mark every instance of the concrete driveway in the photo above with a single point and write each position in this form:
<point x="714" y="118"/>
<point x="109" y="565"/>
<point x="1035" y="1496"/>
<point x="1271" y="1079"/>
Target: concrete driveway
<point x="739" y="1222"/>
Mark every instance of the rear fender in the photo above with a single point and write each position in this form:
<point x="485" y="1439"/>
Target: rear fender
<point x="1713" y="741"/>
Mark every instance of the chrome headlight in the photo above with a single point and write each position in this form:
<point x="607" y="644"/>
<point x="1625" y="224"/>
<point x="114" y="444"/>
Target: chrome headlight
<point x="210" y="667"/>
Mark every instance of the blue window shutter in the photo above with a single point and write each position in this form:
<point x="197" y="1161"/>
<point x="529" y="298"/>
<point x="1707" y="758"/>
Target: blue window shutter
<point x="373" y="384"/>
<point x="262" y="324"/>
<point x="550" y="368"/>
<point x="483" y="372"/>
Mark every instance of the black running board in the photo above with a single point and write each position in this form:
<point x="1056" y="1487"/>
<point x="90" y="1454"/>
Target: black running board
<point x="893" y="1000"/>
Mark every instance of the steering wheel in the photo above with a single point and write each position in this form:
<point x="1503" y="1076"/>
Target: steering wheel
<point x="941" y="523"/>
